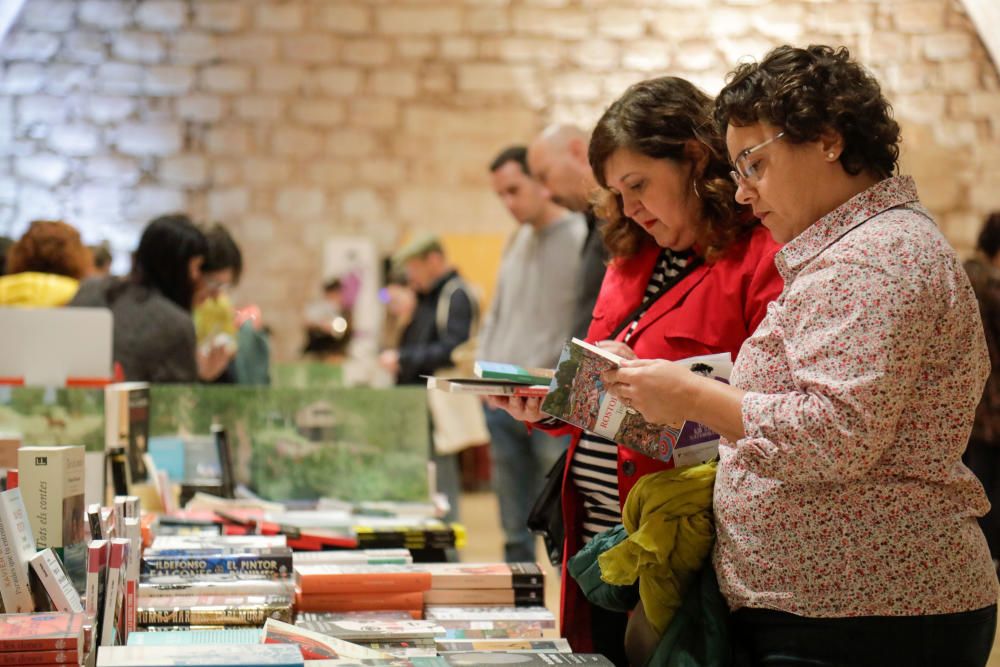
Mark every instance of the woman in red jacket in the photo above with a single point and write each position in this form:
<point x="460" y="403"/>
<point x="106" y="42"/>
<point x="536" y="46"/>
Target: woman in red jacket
<point x="691" y="274"/>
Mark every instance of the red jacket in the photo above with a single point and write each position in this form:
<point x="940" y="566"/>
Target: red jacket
<point x="713" y="309"/>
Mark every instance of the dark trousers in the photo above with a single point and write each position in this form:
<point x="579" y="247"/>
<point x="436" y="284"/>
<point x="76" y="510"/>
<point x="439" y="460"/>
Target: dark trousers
<point x="984" y="460"/>
<point x="608" y="634"/>
<point x="777" y="639"/>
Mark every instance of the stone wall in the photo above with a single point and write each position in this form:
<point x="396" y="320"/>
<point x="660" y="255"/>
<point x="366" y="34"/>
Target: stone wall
<point x="294" y="120"/>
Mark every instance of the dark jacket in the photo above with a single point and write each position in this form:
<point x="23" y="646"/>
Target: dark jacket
<point x="593" y="264"/>
<point x="436" y="330"/>
<point x="986" y="283"/>
<point x="154" y="339"/>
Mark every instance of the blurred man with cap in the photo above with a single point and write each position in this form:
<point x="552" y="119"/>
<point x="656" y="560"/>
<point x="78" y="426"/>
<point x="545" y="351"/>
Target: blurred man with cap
<point x="445" y="317"/>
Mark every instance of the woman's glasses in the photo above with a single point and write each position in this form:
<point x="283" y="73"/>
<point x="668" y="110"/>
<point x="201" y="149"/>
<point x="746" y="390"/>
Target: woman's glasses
<point x="746" y="171"/>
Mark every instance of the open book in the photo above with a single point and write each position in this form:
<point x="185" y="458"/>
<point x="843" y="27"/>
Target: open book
<point x="577" y="396"/>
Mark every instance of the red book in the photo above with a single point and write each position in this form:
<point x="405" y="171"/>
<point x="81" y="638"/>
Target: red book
<point x="379" y="579"/>
<point x="12" y="478"/>
<point x="40" y="658"/>
<point x="360" y="602"/>
<point x="42" y="632"/>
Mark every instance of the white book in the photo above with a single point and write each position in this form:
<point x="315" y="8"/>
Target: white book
<point x="281" y="655"/>
<point x="49" y="570"/>
<point x="17" y="546"/>
<point x="133" y="533"/>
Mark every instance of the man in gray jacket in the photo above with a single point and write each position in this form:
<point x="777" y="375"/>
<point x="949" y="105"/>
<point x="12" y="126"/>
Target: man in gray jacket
<point x="528" y="323"/>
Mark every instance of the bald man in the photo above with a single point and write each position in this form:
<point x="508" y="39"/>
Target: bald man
<point x="557" y="158"/>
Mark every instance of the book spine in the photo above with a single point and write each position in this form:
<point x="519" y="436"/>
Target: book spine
<point x="526" y="575"/>
<point x="17" y="545"/>
<point x="233" y="615"/>
<point x="97" y="570"/>
<point x="354" y="602"/>
<point x="50" y="572"/>
<point x="369" y="582"/>
<point x="133" y="534"/>
<point x="276" y="566"/>
<point x="113" y="591"/>
<point x="40" y="658"/>
<point x="94" y="521"/>
<point x="236" y="587"/>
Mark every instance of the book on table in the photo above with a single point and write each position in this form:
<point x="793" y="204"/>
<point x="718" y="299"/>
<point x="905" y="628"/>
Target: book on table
<point x="578" y="396"/>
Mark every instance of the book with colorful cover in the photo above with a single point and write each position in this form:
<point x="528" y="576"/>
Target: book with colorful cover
<point x="578" y="396"/>
<point x="493" y="630"/>
<point x="56" y="631"/>
<point x="315" y="646"/>
<point x="245" y="636"/>
<point x="173" y="545"/>
<point x="200" y="656"/>
<point x="492" y="370"/>
<point x="360" y="616"/>
<point x="17" y="547"/>
<point x="126" y="423"/>
<point x="275" y="563"/>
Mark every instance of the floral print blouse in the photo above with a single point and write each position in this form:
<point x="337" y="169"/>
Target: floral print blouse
<point x="848" y="496"/>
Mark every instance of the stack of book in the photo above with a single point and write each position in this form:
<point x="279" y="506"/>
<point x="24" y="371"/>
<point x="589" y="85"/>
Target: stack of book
<point x="493" y="622"/>
<point x="485" y="584"/>
<point x="43" y="639"/>
<point x="215" y="581"/>
<point x="337" y="588"/>
<point x="401" y="638"/>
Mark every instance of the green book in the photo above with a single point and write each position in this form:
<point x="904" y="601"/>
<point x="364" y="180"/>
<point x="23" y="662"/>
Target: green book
<point x="491" y="370"/>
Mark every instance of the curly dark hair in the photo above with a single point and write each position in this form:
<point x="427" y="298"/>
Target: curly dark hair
<point x="658" y="118"/>
<point x="806" y="92"/>
<point x="50" y="246"/>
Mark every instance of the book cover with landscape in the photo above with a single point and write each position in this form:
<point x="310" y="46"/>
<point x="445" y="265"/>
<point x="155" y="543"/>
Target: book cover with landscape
<point x="578" y="396"/>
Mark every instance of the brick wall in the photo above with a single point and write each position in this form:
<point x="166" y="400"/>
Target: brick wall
<point x="294" y="120"/>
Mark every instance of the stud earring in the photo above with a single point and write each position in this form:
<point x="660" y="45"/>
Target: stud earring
<point x="830" y="155"/>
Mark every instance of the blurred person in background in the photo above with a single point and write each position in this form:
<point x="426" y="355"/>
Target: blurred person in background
<point x="102" y="260"/>
<point x="154" y="334"/>
<point x="45" y="266"/>
<point x="445" y="317"/>
<point x="5" y="244"/>
<point x="328" y="324"/>
<point x="557" y="158"/>
<point x="531" y="316"/>
<point x="983" y="452"/>
<point x="214" y="314"/>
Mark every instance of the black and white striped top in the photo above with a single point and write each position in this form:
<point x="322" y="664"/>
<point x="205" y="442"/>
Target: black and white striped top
<point x="594" y="468"/>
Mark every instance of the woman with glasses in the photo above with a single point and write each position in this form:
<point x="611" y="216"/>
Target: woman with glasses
<point x="691" y="273"/>
<point x="846" y="520"/>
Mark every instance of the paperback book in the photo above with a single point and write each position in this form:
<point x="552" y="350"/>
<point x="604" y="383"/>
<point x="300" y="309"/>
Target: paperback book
<point x="237" y="610"/>
<point x="492" y="370"/>
<point x="51" y="484"/>
<point x="578" y="396"/>
<point x="315" y="646"/>
<point x="17" y="547"/>
<point x="481" y="387"/>
<point x="199" y="656"/>
<point x="55" y="631"/>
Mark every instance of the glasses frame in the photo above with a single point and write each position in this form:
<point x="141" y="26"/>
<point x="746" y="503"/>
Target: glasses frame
<point x="744" y="172"/>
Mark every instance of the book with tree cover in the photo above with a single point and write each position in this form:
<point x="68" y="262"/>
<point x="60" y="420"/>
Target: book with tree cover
<point x="578" y="396"/>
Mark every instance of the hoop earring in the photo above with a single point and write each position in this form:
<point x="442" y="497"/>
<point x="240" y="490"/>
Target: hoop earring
<point x="696" y="193"/>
